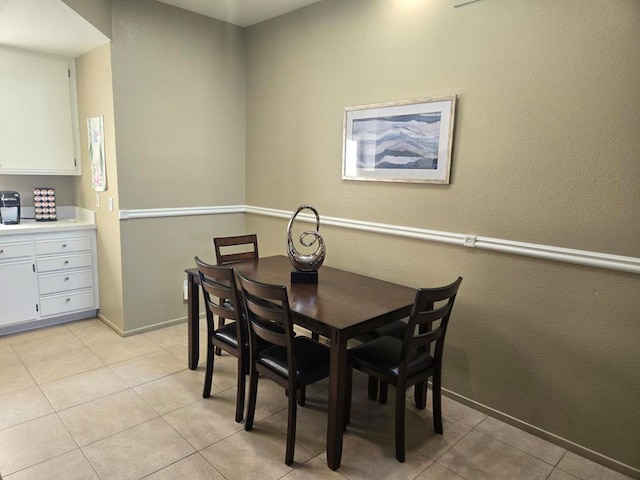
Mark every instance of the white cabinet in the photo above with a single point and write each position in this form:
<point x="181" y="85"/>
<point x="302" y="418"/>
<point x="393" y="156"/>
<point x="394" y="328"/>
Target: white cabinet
<point x="47" y="278"/>
<point x="66" y="266"/>
<point x="38" y="114"/>
<point x="18" y="292"/>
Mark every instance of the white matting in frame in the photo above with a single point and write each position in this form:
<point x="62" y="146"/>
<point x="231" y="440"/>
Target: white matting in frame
<point x="399" y="142"/>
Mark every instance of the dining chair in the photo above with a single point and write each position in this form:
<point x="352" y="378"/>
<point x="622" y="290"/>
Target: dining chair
<point x="234" y="249"/>
<point x="413" y="359"/>
<point x="291" y="361"/>
<point x="220" y="298"/>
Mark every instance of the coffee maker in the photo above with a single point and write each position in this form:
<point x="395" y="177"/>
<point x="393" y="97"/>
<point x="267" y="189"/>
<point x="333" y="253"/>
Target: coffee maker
<point x="9" y="208"/>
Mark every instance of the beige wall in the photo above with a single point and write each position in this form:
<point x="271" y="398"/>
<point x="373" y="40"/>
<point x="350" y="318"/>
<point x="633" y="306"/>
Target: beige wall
<point x="546" y="151"/>
<point x="24" y="185"/>
<point x="179" y="97"/>
<point x="95" y="98"/>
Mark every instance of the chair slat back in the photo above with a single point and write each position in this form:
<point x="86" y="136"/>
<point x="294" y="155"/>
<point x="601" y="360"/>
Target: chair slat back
<point x="429" y="319"/>
<point x="218" y="285"/>
<point x="236" y="249"/>
<point x="267" y="308"/>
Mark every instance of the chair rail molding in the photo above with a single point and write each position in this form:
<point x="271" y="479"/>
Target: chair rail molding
<point x="546" y="252"/>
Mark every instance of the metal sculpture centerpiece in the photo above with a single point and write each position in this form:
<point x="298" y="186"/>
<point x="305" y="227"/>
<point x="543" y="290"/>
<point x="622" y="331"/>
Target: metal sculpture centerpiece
<point x="306" y="265"/>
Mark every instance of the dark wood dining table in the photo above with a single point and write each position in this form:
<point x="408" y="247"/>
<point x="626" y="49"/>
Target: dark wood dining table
<point x="341" y="306"/>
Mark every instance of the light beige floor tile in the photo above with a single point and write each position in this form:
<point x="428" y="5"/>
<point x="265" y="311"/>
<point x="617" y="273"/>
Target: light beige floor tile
<point x="438" y="472"/>
<point x="225" y="368"/>
<point x="31" y="334"/>
<point x="194" y="467"/>
<point x="421" y="436"/>
<point x="315" y="469"/>
<point x="369" y="447"/>
<point x="456" y="410"/>
<point x="81" y="324"/>
<point x="83" y="387"/>
<point x="311" y="425"/>
<point x="558" y="474"/>
<point x="22" y="406"/>
<point x="14" y="378"/>
<point x="172" y="336"/>
<point x="371" y="454"/>
<point x="478" y="457"/>
<point x="137" y="452"/>
<point x="261" y="451"/>
<point x="419" y="429"/>
<point x="120" y="349"/>
<point x="33" y="442"/>
<point x="271" y="399"/>
<point x="523" y="441"/>
<point x="37" y="349"/>
<point x="63" y="365"/>
<point x="105" y="416"/>
<point x="365" y="411"/>
<point x="70" y="466"/>
<point x="94" y="333"/>
<point x="147" y="367"/>
<point x="182" y="352"/>
<point x="587" y="470"/>
<point x="8" y="356"/>
<point x="206" y="421"/>
<point x="174" y="391"/>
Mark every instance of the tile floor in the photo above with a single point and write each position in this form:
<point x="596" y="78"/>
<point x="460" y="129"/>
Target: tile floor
<point x="79" y="402"/>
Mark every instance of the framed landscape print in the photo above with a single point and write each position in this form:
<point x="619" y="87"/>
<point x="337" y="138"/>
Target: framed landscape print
<point x="399" y="142"/>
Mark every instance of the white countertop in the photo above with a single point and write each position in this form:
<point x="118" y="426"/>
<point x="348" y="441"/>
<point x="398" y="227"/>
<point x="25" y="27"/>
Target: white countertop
<point x="69" y="218"/>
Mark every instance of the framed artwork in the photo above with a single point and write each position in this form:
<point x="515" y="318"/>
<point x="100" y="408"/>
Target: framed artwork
<point x="399" y="142"/>
<point x="95" y="126"/>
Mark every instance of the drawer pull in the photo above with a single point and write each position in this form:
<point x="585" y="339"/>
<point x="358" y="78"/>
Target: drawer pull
<point x="1" y="250"/>
<point x="66" y="262"/>
<point x="66" y="279"/>
<point x="64" y="245"/>
<point x="67" y="300"/>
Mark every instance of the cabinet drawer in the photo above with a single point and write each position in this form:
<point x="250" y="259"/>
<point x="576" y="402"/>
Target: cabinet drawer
<point x="63" y="262"/>
<point x="63" y="282"/>
<point x="70" y="302"/>
<point x="14" y="250"/>
<point x="63" y="245"/>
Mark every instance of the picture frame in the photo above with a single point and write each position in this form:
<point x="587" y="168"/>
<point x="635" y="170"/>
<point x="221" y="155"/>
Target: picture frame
<point x="407" y="141"/>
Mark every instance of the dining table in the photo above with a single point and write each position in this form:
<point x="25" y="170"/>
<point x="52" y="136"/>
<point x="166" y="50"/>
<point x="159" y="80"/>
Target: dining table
<point x="341" y="306"/>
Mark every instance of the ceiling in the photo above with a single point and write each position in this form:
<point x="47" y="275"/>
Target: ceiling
<point x="51" y="26"/>
<point x="240" y="12"/>
<point x="48" y="26"/>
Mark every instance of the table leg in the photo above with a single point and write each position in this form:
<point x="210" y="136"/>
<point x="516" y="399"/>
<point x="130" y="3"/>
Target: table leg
<point x="193" y="317"/>
<point x="337" y="397"/>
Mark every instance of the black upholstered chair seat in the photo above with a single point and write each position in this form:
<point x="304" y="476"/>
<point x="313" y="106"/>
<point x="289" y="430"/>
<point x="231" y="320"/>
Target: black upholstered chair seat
<point x="393" y="329"/>
<point x="384" y="356"/>
<point x="229" y="334"/>
<point x="312" y="360"/>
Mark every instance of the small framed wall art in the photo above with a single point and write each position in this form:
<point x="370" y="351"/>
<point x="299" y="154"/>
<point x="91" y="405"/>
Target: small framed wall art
<point x="399" y="142"/>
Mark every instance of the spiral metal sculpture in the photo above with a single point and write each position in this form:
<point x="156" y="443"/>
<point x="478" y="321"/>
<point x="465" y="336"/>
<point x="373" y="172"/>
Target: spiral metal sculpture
<point x="306" y="262"/>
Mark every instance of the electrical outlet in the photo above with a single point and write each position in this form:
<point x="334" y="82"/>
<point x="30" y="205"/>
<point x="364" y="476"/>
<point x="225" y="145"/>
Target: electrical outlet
<point x="97" y="201"/>
<point x="185" y="291"/>
<point x="111" y="204"/>
<point x="470" y="241"/>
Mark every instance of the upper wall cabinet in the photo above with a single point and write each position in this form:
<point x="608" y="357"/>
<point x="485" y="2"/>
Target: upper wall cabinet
<point x="38" y="114"/>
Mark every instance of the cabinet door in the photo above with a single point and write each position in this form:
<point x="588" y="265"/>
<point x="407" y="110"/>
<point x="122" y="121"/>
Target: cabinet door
<point x="17" y="293"/>
<point x="38" y="118"/>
